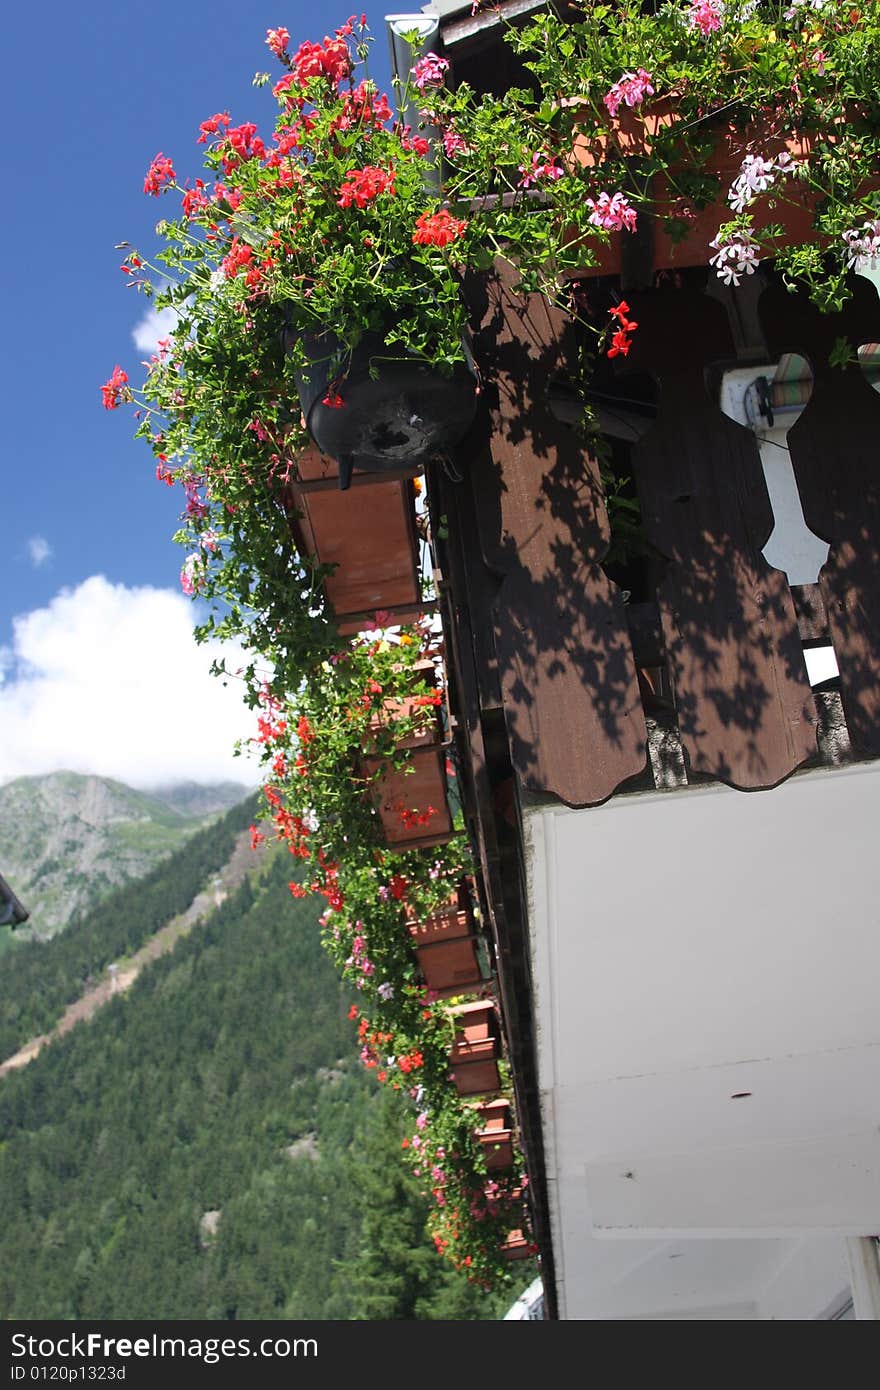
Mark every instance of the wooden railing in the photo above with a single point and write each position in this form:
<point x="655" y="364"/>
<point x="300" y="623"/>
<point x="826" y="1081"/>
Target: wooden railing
<point x="718" y="644"/>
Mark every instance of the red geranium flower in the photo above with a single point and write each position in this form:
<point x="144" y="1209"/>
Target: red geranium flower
<point x="363" y="186"/>
<point x="438" y="228"/>
<point x="115" y="390"/>
<point x="160" y="173"/>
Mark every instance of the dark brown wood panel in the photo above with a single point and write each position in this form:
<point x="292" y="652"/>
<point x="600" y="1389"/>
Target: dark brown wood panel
<point x="835" y="454"/>
<point x="744" y="705"/>
<point x="568" y="680"/>
<point x="466" y="608"/>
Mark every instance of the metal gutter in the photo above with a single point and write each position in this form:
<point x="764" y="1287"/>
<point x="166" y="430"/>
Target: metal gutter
<point x="404" y="55"/>
<point x="468" y="25"/>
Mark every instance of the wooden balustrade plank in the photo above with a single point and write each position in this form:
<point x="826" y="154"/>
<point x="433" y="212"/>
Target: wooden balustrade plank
<point x="742" y="696"/>
<point x="810" y="609"/>
<point x="571" y="698"/>
<point x="835" y="454"/>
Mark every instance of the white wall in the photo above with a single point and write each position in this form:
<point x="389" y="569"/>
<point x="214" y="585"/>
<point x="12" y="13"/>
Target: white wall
<point x="689" y="947"/>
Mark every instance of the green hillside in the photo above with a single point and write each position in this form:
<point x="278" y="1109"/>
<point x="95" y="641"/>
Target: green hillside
<point x="37" y="979"/>
<point x="209" y="1147"/>
<point x="67" y="840"/>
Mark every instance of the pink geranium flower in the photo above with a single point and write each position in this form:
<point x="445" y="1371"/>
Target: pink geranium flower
<point x="631" y="89"/>
<point x="706" y="15"/>
<point x="612" y="212"/>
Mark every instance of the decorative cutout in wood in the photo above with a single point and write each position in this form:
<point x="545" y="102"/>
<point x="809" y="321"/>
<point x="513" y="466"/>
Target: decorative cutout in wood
<point x="744" y="704"/>
<point x="835" y="454"/>
<point x="571" y="698"/>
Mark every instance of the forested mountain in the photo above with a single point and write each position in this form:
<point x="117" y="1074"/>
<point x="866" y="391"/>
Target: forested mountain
<point x="67" y="840"/>
<point x="37" y="979"/>
<point x="209" y="1146"/>
<point x="198" y="800"/>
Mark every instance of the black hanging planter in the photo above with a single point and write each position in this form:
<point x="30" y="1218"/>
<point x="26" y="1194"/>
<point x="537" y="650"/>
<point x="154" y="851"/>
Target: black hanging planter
<point x="396" y="411"/>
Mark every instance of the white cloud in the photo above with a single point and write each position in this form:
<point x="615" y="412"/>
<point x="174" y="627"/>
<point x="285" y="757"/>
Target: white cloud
<point x="109" y="680"/>
<point x="39" y="550"/>
<point x="155" y="324"/>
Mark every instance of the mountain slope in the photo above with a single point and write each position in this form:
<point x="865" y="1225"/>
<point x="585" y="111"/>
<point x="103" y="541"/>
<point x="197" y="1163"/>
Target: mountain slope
<point x="67" y="840"/>
<point x="196" y="799"/>
<point x="38" y="979"/>
<point x="205" y="1146"/>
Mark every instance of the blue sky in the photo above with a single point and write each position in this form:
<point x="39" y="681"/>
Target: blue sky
<point x="91" y="93"/>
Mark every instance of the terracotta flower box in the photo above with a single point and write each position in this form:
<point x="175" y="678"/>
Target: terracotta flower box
<point x="368" y="534"/>
<point x="446" y="948"/>
<point x="475" y="1051"/>
<point x="632" y="134"/>
<point x="412" y="800"/>
<point x="450" y="967"/>
<point x="475" y="1023"/>
<point x="500" y="1199"/>
<point x="495" y="1134"/>
<point x="494" y="1115"/>
<point x="497" y="1146"/>
<point x="517" y="1246"/>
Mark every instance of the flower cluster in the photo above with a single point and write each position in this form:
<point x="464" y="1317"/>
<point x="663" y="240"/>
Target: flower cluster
<point x="543" y="167"/>
<point x="364" y="186"/>
<point x="706" y="15"/>
<point x="277" y="40"/>
<point x="630" y="89"/>
<point x="159" y="175"/>
<point x="736" y="254"/>
<point x="863" y="246"/>
<point x="802" y="8"/>
<point x="330" y="60"/>
<point x="757" y="175"/>
<point x="438" y="228"/>
<point x="621" y="337"/>
<point x="192" y="575"/>
<point x="115" y="389"/>
<point x="612" y="212"/>
<point x="429" y="71"/>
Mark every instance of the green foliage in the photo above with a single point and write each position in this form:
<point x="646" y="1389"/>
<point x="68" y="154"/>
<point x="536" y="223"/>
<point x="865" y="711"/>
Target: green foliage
<point x="188" y="1097"/>
<point x="340" y="222"/>
<point x="380" y="696"/>
<point x="38" y="980"/>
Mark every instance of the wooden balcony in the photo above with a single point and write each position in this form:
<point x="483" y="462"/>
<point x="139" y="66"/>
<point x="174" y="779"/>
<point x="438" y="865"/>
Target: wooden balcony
<point x="685" y="972"/>
<point x="578" y="656"/>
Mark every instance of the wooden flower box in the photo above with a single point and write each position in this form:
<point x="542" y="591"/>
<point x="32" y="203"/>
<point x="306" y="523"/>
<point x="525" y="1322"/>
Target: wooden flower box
<point x="446" y="949"/>
<point x="368" y="534"/>
<point x="475" y="1051"/>
<point x="412" y="800"/>
<point x="495" y="1135"/>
